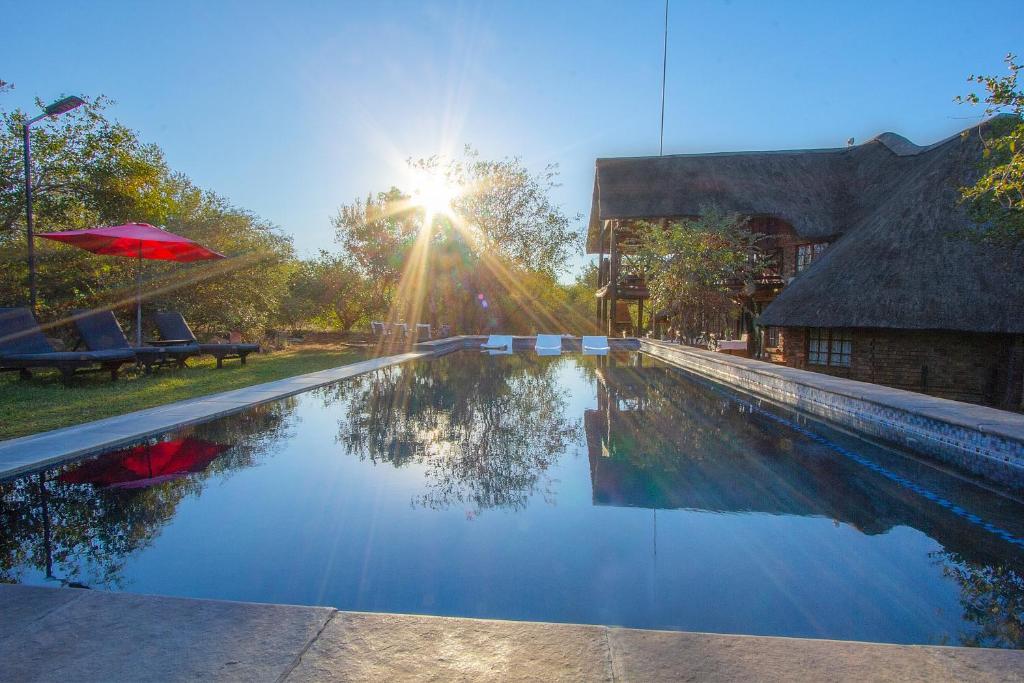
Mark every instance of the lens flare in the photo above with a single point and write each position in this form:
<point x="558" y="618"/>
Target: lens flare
<point x="435" y="194"/>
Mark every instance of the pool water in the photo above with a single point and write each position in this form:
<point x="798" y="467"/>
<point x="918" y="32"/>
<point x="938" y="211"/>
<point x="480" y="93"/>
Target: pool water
<point x="604" y="490"/>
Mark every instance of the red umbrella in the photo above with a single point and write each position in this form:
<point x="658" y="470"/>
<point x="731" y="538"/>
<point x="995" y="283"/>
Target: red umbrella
<point x="138" y="240"/>
<point x="142" y="466"/>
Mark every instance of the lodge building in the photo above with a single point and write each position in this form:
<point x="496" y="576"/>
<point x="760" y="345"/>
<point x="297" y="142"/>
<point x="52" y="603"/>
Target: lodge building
<point x="871" y="269"/>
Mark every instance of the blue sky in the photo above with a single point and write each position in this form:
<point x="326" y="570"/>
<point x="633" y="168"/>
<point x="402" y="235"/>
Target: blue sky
<point x="292" y="109"/>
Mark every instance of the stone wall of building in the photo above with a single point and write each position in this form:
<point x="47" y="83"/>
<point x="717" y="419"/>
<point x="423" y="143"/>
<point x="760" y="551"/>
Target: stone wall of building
<point x="962" y="366"/>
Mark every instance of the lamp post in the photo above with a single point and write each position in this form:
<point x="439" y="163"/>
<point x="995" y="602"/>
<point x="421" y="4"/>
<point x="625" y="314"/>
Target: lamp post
<point x="59" y="107"/>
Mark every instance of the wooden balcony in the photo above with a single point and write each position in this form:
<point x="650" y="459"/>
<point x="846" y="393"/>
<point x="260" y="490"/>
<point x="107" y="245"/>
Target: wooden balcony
<point x="630" y="288"/>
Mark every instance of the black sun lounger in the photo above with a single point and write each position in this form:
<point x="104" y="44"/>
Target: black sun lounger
<point x="23" y="347"/>
<point x="173" y="327"/>
<point x="100" y="331"/>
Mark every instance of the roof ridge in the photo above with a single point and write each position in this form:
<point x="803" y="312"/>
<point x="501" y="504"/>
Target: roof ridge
<point x="894" y="142"/>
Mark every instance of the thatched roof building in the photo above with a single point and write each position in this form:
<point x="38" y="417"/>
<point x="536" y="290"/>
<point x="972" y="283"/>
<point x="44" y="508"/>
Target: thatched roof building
<point x="898" y="258"/>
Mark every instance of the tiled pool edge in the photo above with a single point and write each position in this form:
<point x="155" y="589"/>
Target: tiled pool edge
<point x="28" y="453"/>
<point x="984" y="441"/>
<point x="73" y="634"/>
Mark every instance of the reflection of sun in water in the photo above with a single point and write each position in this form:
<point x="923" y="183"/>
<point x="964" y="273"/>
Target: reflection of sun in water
<point x="434" y="193"/>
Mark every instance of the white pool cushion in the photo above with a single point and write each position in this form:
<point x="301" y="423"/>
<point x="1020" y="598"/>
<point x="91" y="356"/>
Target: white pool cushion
<point x="595" y="346"/>
<point x="498" y="343"/>
<point x="549" y="344"/>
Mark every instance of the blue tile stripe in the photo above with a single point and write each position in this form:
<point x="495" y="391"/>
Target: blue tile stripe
<point x="888" y="474"/>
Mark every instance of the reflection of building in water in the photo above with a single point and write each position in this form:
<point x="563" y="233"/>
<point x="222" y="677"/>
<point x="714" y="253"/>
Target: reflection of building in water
<point x="658" y="440"/>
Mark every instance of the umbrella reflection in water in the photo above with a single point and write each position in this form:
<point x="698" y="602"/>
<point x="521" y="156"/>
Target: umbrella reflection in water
<point x="146" y="465"/>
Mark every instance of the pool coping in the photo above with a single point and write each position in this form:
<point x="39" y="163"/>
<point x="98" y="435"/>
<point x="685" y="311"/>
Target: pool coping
<point x="59" y="634"/>
<point x="983" y="441"/>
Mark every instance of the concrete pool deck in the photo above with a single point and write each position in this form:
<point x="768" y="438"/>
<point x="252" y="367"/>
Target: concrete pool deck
<point x="66" y="634"/>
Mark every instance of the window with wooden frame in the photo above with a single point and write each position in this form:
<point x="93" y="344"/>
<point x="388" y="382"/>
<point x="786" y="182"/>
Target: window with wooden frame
<point x="829" y="347"/>
<point x="807" y="253"/>
<point x="773" y="338"/>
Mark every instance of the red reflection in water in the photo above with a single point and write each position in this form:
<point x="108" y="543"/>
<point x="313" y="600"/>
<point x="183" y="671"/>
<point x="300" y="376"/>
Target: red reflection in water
<point x="142" y="466"/>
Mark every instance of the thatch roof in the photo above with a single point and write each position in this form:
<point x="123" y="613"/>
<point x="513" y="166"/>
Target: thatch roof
<point x="899" y="258"/>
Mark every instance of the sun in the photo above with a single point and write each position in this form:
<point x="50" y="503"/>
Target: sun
<point x="435" y="194"/>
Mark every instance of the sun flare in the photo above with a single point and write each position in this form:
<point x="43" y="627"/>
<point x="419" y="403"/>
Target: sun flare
<point x="435" y="194"/>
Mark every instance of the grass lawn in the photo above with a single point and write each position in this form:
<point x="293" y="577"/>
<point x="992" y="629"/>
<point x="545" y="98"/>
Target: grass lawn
<point x="43" y="403"/>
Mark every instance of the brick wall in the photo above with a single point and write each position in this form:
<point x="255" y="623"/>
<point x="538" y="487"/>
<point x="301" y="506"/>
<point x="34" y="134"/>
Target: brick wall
<point x="961" y="366"/>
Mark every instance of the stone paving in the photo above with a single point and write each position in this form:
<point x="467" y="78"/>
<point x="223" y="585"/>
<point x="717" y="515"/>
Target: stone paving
<point x="65" y="634"/>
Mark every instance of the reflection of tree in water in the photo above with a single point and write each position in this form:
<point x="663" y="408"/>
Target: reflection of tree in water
<point x="83" y="534"/>
<point x="486" y="428"/>
<point x="992" y="597"/>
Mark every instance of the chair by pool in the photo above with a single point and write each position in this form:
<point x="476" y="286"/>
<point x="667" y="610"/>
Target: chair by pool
<point x="548" y="344"/>
<point x="595" y="346"/>
<point x="100" y="331"/>
<point x="498" y="343"/>
<point x="174" y="329"/>
<point x="423" y="332"/>
<point x="23" y="347"/>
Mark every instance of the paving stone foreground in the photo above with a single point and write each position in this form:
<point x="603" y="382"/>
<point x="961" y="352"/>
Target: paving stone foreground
<point x="65" y="634"/>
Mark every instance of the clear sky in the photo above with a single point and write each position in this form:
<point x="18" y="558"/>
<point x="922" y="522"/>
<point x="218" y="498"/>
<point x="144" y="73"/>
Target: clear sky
<point x="291" y="109"/>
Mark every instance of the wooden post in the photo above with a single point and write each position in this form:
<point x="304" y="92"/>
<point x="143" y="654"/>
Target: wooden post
<point x="640" y="317"/>
<point x="600" y="277"/>
<point x="613" y="280"/>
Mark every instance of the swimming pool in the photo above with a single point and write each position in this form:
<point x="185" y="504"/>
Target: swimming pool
<point x="607" y="490"/>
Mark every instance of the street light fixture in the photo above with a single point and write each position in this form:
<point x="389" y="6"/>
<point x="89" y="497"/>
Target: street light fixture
<point x="55" y="109"/>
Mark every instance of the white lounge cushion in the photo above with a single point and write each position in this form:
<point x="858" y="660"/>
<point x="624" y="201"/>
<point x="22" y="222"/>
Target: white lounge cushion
<point x="549" y="342"/>
<point x="498" y="342"/>
<point x="595" y="346"/>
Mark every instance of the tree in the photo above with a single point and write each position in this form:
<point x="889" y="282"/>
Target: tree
<point x="328" y="290"/>
<point x="693" y="266"/>
<point x="378" y="234"/>
<point x="88" y="171"/>
<point x="580" y="297"/>
<point x="507" y="211"/>
<point x="997" y="197"/>
<point x="242" y="292"/>
<point x="489" y="260"/>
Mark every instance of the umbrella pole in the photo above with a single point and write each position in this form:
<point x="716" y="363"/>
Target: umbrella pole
<point x="138" y="300"/>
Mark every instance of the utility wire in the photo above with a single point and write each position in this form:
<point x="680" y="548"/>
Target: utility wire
<point x="664" y="70"/>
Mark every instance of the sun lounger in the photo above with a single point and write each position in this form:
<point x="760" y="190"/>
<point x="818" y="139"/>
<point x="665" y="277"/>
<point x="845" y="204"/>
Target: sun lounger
<point x="498" y="343"/>
<point x="548" y="344"/>
<point x="174" y="330"/>
<point x="100" y="331"/>
<point x="24" y="347"/>
<point x="595" y="346"/>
